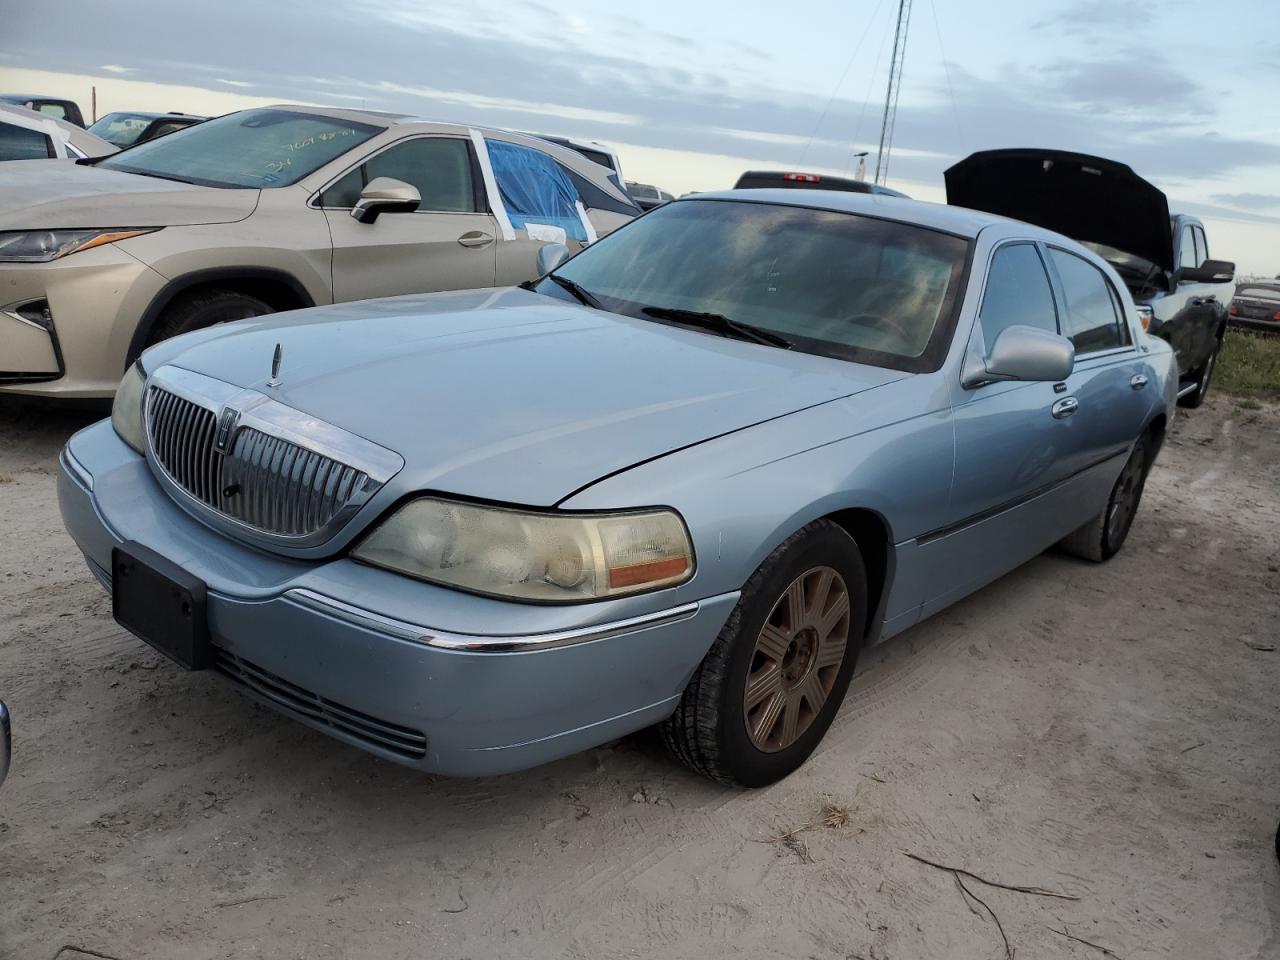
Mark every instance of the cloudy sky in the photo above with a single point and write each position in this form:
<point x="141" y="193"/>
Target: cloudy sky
<point x="691" y="94"/>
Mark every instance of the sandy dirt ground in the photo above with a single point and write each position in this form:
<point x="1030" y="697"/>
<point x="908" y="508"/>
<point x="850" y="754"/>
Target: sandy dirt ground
<point x="1111" y="733"/>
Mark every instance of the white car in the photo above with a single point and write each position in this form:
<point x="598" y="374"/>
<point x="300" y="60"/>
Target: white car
<point x="28" y="135"/>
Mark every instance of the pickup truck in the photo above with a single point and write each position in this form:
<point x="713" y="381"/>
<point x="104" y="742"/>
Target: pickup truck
<point x="1181" y="294"/>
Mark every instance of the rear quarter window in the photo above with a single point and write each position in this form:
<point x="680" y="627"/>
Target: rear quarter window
<point x="19" y="143"/>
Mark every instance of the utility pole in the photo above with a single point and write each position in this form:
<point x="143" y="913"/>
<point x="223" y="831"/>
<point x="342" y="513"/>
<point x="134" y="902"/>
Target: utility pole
<point x="891" y="93"/>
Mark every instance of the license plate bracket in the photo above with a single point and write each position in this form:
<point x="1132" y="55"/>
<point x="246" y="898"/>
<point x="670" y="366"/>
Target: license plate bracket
<point x="161" y="604"/>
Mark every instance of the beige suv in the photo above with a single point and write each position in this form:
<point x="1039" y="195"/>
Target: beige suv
<point x="263" y="210"/>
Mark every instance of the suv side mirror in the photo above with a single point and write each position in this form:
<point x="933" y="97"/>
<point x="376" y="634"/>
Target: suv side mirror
<point x="1211" y="271"/>
<point x="551" y="256"/>
<point x="1024" y="353"/>
<point x="385" y="195"/>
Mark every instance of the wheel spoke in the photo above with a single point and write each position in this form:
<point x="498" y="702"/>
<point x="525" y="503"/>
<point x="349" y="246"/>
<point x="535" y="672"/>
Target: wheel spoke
<point x="768" y="718"/>
<point x="773" y="643"/>
<point x="765" y="682"/>
<point x="790" y="720"/>
<point x="821" y="593"/>
<point x="833" y="616"/>
<point x="831" y="650"/>
<point x="795" y="605"/>
<point x="811" y="690"/>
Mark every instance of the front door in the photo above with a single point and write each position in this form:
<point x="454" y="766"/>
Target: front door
<point x="449" y="243"/>
<point x="1015" y="445"/>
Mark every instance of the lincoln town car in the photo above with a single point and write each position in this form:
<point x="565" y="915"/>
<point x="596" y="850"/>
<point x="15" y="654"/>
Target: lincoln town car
<point x="680" y="480"/>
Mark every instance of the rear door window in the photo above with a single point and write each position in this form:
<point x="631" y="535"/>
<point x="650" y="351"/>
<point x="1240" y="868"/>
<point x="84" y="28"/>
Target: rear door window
<point x="440" y="167"/>
<point x="1091" y="321"/>
<point x="1018" y="292"/>
<point x="19" y="143"/>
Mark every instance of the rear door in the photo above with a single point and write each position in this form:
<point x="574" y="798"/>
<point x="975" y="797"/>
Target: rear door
<point x="1112" y="383"/>
<point x="449" y="243"/>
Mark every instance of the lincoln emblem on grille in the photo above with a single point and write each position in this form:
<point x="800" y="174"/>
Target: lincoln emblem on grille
<point x="275" y="366"/>
<point x="226" y="426"/>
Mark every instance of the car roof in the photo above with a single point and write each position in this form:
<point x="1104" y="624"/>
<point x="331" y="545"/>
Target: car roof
<point x="151" y="115"/>
<point x="34" y="96"/>
<point x="936" y="216"/>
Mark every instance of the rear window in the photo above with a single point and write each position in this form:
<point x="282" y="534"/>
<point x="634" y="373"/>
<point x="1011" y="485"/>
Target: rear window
<point x="19" y="143"/>
<point x="1260" y="293"/>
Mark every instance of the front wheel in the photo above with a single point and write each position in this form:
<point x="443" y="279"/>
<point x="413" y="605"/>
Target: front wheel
<point x="772" y="682"/>
<point x="1102" y="537"/>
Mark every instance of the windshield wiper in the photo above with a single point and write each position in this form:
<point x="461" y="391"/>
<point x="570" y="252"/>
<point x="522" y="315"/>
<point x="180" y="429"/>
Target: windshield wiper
<point x="718" y="323"/>
<point x="582" y="295"/>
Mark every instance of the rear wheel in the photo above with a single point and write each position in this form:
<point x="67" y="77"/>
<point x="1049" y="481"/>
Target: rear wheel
<point x="768" y="689"/>
<point x="1102" y="537"/>
<point x="204" y="308"/>
<point x="1196" y="397"/>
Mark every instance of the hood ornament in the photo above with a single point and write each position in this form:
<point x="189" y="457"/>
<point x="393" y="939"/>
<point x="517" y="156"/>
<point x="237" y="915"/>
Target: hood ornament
<point x="275" y="366"/>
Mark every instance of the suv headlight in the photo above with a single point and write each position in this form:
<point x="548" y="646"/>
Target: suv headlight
<point x="126" y="410"/>
<point x="41" y="246"/>
<point x="525" y="555"/>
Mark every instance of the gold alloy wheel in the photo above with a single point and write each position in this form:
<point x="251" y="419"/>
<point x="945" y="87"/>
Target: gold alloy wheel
<point x="796" y="659"/>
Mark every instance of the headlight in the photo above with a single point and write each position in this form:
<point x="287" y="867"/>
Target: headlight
<point x="126" y="411"/>
<point x="522" y="555"/>
<point x="41" y="246"/>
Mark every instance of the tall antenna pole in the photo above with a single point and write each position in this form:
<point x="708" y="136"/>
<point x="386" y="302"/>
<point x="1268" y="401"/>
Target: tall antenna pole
<point x="891" y="93"/>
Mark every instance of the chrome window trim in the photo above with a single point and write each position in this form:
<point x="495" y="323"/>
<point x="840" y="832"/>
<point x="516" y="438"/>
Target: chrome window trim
<point x="474" y="643"/>
<point x="261" y="412"/>
<point x="313" y="201"/>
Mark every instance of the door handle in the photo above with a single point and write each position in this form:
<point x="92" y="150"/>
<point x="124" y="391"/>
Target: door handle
<point x="1138" y="381"/>
<point x="1065" y="408"/>
<point x="475" y="238"/>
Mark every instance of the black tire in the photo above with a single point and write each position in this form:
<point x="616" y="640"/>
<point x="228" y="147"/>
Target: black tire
<point x="1101" y="538"/>
<point x="1203" y="376"/>
<point x="204" y="308"/>
<point x="708" y="731"/>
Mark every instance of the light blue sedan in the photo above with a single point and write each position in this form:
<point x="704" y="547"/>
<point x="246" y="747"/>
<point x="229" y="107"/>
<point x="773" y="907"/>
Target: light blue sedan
<point x="681" y="480"/>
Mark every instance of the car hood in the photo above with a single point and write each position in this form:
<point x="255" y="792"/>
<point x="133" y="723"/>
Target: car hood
<point x="509" y="395"/>
<point x="1090" y="199"/>
<point x="38" y="195"/>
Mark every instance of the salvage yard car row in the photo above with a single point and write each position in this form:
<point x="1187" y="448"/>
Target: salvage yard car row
<point x="597" y="471"/>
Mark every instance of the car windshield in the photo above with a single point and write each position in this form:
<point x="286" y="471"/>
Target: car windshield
<point x="252" y="148"/>
<point x="121" y="129"/>
<point x="854" y="287"/>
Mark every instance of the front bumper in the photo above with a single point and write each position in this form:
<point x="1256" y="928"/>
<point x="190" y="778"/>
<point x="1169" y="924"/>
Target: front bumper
<point x="96" y="299"/>
<point x="335" y="644"/>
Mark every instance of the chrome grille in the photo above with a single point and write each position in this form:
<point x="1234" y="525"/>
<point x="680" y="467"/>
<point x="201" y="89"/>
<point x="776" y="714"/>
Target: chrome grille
<point x="265" y="482"/>
<point x="181" y="435"/>
<point x="282" y="487"/>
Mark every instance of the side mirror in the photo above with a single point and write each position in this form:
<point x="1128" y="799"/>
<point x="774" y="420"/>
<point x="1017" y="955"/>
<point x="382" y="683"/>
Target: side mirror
<point x="1211" y="271"/>
<point x="551" y="256"/>
<point x="1024" y="353"/>
<point x="385" y="195"/>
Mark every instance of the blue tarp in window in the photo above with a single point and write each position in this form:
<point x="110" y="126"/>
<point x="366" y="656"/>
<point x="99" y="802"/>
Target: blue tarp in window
<point x="534" y="189"/>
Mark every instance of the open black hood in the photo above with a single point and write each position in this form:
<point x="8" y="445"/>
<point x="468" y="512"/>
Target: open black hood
<point x="1083" y="197"/>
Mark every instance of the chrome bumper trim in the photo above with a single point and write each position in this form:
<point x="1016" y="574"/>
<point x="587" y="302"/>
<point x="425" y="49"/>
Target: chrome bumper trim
<point x="77" y="470"/>
<point x="481" y="644"/>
